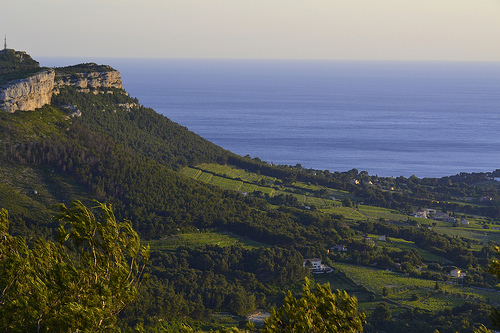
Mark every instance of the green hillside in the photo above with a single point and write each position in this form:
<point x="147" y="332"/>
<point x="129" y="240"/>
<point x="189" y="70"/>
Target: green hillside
<point x="229" y="233"/>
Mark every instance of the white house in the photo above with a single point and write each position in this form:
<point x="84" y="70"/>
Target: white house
<point x="316" y="263"/>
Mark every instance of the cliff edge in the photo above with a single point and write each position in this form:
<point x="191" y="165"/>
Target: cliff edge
<point x="29" y="93"/>
<point x="88" y="76"/>
<point x="25" y="86"/>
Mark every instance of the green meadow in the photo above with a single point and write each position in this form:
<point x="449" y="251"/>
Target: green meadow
<point x="197" y="239"/>
<point x="401" y="245"/>
<point x="414" y="292"/>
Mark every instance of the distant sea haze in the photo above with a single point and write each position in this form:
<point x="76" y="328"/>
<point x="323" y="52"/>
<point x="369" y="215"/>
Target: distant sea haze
<point x="387" y="118"/>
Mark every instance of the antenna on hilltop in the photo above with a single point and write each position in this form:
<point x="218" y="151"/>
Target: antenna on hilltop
<point x="5" y="43"/>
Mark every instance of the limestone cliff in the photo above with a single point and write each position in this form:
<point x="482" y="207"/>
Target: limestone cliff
<point x="29" y="93"/>
<point x="88" y="76"/>
<point x="25" y="87"/>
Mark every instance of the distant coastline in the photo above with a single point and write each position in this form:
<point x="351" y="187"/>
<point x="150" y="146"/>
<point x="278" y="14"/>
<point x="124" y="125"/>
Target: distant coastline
<point x="388" y="118"/>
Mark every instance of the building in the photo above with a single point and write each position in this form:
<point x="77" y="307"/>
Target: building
<point x="457" y="273"/>
<point x="340" y="248"/>
<point x="464" y="221"/>
<point x="316" y="263"/>
<point x="422" y="213"/>
<point x="438" y="216"/>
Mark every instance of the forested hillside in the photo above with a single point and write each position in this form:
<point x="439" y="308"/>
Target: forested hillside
<point x="126" y="155"/>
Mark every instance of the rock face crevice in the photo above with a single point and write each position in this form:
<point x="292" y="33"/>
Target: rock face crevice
<point x="29" y="93"/>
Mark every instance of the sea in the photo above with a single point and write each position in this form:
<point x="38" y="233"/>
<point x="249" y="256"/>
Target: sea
<point x="429" y="119"/>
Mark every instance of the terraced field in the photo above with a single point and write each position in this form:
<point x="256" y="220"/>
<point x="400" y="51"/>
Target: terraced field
<point x="477" y="234"/>
<point x="402" y="288"/>
<point x="348" y="212"/>
<point x="242" y="181"/>
<point x="378" y="212"/>
<point x="401" y="244"/>
<point x="196" y="239"/>
<point x="226" y="183"/>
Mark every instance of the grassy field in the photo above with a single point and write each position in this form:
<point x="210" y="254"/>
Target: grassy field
<point x="401" y="244"/>
<point x="477" y="234"/>
<point x="378" y="212"/>
<point x="196" y="239"/>
<point x="226" y="183"/>
<point x="229" y="177"/>
<point x="402" y="288"/>
<point x="205" y="177"/>
<point x="239" y="180"/>
<point x="193" y="173"/>
<point x="348" y="212"/>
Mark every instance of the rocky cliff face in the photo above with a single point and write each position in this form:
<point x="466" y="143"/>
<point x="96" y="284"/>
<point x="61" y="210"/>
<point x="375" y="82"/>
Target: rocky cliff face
<point x="90" y="80"/>
<point x="29" y="93"/>
<point x="34" y="91"/>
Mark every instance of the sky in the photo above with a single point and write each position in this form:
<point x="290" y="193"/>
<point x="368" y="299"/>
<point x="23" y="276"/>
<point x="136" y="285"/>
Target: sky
<point x="414" y="30"/>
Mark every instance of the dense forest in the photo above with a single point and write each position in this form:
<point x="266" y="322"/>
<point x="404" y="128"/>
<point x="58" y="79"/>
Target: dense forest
<point x="128" y="156"/>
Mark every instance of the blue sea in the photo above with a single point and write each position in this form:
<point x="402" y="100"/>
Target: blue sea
<point x="429" y="119"/>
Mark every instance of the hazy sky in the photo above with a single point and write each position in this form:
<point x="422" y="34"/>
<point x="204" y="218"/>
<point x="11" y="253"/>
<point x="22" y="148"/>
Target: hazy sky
<point x="269" y="29"/>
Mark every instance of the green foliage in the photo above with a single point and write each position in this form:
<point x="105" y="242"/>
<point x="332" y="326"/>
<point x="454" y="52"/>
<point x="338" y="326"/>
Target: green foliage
<point x="346" y="202"/>
<point x="382" y="312"/>
<point x="124" y="155"/>
<point x="83" y="68"/>
<point x="14" y="61"/>
<point x="141" y="129"/>
<point x="494" y="268"/>
<point x="318" y="311"/>
<point x="79" y="283"/>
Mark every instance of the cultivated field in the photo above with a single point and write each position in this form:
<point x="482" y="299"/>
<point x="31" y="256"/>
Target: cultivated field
<point x="196" y="239"/>
<point x="415" y="292"/>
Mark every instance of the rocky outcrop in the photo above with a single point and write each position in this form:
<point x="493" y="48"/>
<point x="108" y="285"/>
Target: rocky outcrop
<point x="109" y="78"/>
<point x="29" y="93"/>
<point x="24" y="91"/>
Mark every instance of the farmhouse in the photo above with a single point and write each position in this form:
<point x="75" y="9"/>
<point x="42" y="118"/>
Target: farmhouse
<point x="316" y="263"/>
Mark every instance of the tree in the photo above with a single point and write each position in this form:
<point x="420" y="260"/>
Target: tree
<point x="382" y="312"/>
<point x="79" y="283"/>
<point x="249" y="326"/>
<point x="494" y="268"/>
<point x="316" y="311"/>
<point x="346" y="202"/>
